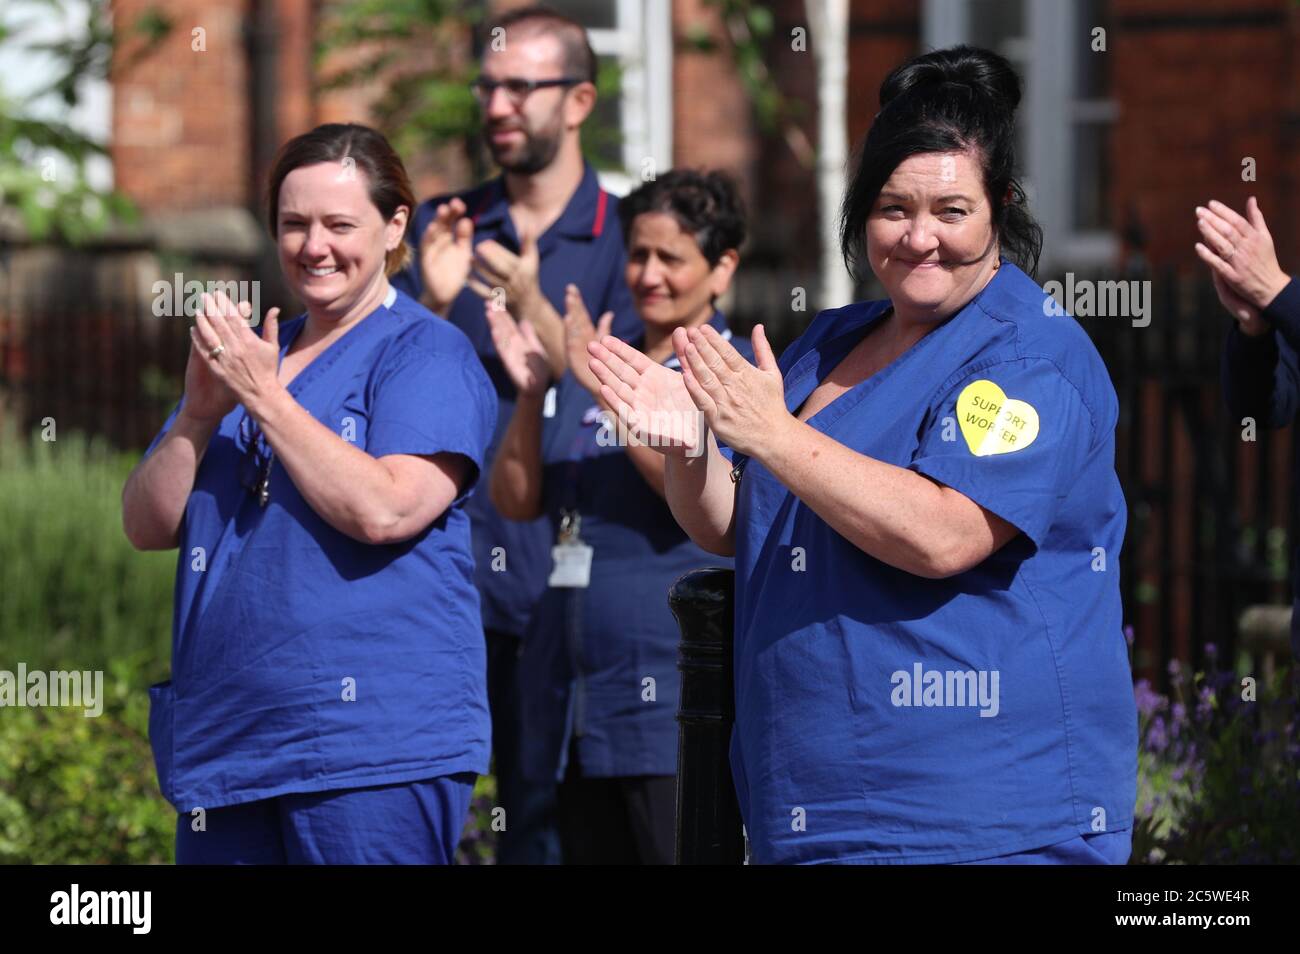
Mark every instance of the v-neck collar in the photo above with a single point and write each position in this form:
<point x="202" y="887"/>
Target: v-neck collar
<point x="817" y="364"/>
<point x="583" y="216"/>
<point x="327" y="358"/>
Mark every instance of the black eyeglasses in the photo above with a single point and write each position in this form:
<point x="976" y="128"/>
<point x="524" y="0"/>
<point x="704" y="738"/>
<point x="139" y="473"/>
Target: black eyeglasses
<point x="517" y="90"/>
<point x="255" y="468"/>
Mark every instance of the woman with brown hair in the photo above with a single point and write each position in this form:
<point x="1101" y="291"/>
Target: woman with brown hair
<point x="328" y="699"/>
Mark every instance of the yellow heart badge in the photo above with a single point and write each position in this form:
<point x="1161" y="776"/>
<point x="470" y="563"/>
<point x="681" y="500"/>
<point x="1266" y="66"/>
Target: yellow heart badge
<point x="990" y="423"/>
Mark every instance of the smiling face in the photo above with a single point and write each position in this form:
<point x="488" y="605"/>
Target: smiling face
<point x="526" y="137"/>
<point x="331" y="238"/>
<point x="672" y="283"/>
<point x="930" y="237"/>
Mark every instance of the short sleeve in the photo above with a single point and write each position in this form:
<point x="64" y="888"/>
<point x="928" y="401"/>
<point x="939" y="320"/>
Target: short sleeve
<point x="1013" y="438"/>
<point x="433" y="403"/>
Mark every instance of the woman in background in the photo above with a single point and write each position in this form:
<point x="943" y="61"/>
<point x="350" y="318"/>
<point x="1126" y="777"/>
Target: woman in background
<point x="599" y="670"/>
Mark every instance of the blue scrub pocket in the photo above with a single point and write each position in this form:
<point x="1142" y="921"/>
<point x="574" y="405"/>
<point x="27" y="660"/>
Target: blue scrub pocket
<point x="162" y="704"/>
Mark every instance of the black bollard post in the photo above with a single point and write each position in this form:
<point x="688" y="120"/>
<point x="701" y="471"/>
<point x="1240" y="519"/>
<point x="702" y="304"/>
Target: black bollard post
<point x="708" y="817"/>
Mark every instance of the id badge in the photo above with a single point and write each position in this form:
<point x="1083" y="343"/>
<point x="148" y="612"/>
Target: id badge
<point x="572" y="565"/>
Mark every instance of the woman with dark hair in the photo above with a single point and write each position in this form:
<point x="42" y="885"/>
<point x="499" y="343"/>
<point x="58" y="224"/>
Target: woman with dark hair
<point x="327" y="701"/>
<point x="599" y="667"/>
<point x="923" y="508"/>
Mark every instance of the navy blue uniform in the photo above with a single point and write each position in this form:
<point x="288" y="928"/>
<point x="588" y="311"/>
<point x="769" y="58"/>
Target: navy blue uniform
<point x="600" y="662"/>
<point x="1261" y="379"/>
<point x="583" y="247"/>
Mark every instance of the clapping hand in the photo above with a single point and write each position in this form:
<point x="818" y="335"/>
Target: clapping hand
<point x="649" y="399"/>
<point x="520" y="349"/>
<point x="578" y="333"/>
<point x="232" y="353"/>
<point x="743" y="404"/>
<point x="446" y="251"/>
<point x="1242" y="261"/>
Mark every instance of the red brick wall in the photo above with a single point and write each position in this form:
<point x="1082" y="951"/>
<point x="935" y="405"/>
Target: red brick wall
<point x="711" y="111"/>
<point x="181" y="117"/>
<point x="295" y="107"/>
<point x="882" y="34"/>
<point x="1202" y="85"/>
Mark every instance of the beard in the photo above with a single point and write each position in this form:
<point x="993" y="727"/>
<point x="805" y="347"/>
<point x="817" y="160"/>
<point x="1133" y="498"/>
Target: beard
<point x="537" y="151"/>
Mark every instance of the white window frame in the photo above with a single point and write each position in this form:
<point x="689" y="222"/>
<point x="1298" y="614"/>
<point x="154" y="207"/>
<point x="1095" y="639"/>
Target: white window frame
<point x="1052" y="111"/>
<point x="642" y="41"/>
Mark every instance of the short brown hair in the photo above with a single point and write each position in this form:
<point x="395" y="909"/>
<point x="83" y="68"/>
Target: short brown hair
<point x="579" y="57"/>
<point x="390" y="187"/>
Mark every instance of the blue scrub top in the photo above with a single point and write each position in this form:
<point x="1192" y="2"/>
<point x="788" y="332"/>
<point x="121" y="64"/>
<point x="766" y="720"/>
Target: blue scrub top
<point x="883" y="717"/>
<point x="584" y="246"/>
<point x="590" y="651"/>
<point x="305" y="661"/>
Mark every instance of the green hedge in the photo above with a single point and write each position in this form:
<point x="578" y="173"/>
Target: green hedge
<point x="82" y="790"/>
<point x="74" y="594"/>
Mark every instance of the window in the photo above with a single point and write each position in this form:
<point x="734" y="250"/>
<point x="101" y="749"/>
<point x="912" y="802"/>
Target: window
<point x="1065" y="117"/>
<point x="633" y="44"/>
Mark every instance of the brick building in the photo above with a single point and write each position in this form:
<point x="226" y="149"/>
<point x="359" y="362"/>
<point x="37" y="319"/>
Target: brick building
<point x="1121" y="135"/>
<point x="1135" y="112"/>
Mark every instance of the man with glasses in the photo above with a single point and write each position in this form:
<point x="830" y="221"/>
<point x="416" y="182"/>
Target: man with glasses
<point x="517" y="242"/>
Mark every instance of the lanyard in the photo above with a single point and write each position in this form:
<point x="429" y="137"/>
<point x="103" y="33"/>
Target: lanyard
<point x="570" y="518"/>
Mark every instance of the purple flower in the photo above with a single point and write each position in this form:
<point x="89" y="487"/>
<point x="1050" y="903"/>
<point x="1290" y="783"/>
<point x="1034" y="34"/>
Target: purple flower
<point x="1204" y="703"/>
<point x="1149" y="702"/>
<point x="1128" y="634"/>
<point x="1157" y="738"/>
<point x="1179" y="714"/>
<point x="1175" y="672"/>
<point x="1211" y="651"/>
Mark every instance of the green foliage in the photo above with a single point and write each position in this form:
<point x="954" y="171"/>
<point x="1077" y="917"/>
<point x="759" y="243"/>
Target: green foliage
<point x="418" y="107"/>
<point x="76" y="594"/>
<point x="83" y="790"/>
<point x="423" y="107"/>
<point x="54" y="203"/>
<point x="750" y="26"/>
<point x="1219" y="775"/>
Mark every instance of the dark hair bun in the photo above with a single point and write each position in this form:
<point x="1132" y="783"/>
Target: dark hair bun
<point x="940" y="73"/>
<point x="960" y="99"/>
